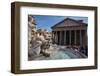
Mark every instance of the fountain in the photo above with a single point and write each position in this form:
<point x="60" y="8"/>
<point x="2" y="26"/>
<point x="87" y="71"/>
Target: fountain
<point x="38" y="42"/>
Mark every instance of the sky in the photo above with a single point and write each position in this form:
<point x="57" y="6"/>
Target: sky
<point x="46" y="22"/>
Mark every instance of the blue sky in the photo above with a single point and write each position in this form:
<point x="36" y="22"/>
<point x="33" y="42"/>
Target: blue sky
<point x="46" y="22"/>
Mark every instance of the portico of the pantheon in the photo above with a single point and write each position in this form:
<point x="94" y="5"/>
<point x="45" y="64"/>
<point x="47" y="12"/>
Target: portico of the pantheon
<point x="70" y="32"/>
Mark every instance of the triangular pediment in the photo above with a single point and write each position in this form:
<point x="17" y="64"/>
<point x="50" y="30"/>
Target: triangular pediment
<point x="68" y="22"/>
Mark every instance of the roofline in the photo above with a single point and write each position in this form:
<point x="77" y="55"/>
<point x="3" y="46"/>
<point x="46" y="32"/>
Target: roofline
<point x="66" y="19"/>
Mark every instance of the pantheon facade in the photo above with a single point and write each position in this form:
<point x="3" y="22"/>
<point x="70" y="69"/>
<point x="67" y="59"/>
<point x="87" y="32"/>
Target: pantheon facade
<point x="70" y="32"/>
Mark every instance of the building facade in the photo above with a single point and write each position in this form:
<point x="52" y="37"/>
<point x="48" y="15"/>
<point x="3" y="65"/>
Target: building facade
<point x="70" y="32"/>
